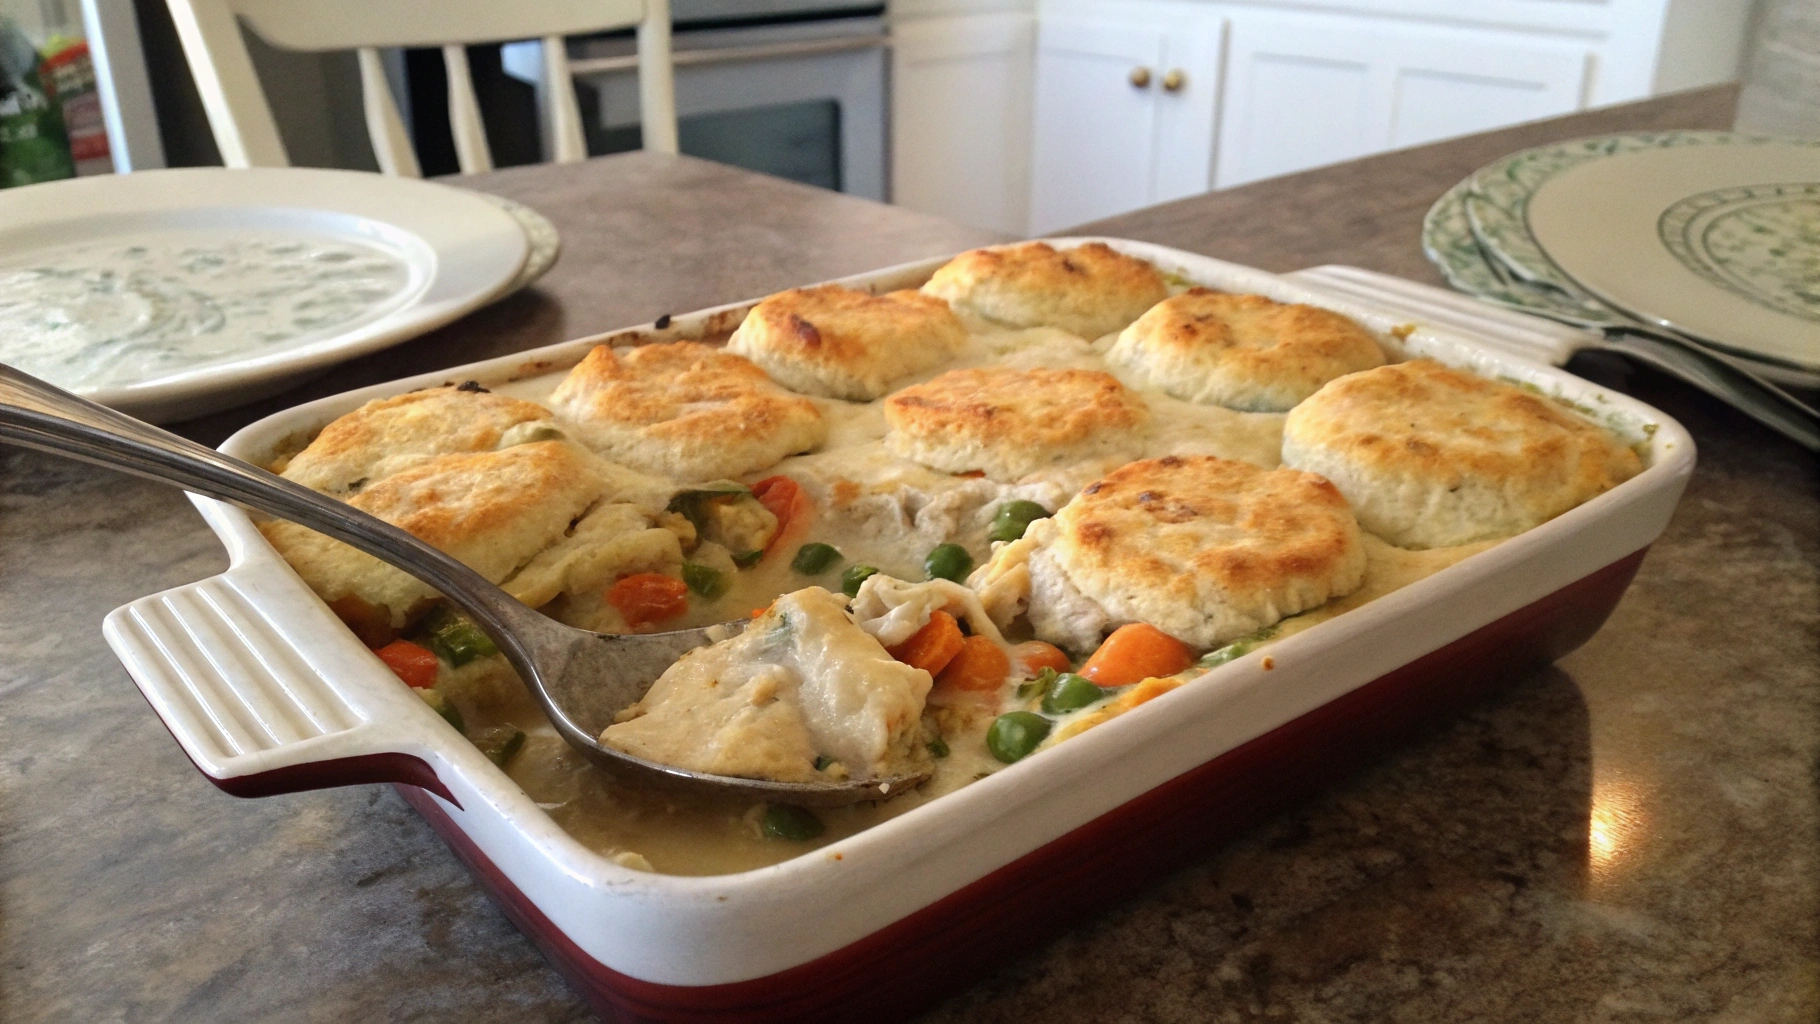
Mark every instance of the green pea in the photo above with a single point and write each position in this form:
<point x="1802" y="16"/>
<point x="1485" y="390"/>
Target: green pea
<point x="748" y="559"/>
<point x="854" y="576"/>
<point x="938" y="747"/>
<point x="705" y="580"/>
<point x="814" y="558"/>
<point x="948" y="562"/>
<point x="1013" y="518"/>
<point x="1070" y="692"/>
<point x="787" y="821"/>
<point x="1015" y="734"/>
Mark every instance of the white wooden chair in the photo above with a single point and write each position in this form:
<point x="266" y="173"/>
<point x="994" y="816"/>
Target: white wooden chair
<point x="242" y="121"/>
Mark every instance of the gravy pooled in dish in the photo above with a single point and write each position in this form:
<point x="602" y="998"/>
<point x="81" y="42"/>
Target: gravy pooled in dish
<point x="968" y="523"/>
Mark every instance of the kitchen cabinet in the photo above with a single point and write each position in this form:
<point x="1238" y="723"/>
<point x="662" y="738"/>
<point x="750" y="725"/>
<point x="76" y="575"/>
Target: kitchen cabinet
<point x="1125" y="111"/>
<point x="1304" y="90"/>
<point x="1031" y="120"/>
<point x="960" y="117"/>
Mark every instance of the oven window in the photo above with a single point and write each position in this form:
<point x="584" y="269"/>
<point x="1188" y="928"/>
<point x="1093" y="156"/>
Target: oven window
<point x="799" y="141"/>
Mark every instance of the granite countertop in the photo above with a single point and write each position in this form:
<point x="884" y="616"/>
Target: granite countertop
<point x="1632" y="834"/>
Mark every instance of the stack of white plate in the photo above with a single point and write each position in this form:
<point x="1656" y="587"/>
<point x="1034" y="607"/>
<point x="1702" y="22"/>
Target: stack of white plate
<point x="1710" y="237"/>
<point x="169" y="294"/>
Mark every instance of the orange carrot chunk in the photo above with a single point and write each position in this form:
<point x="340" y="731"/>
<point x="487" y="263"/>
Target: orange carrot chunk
<point x="932" y="647"/>
<point x="1134" y="653"/>
<point x="1035" y="656"/>
<point x="649" y="597"/>
<point x="786" y="500"/>
<point x="417" y="666"/>
<point x="981" y="667"/>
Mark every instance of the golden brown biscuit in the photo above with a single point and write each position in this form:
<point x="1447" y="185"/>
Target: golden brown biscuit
<point x="685" y="410"/>
<point x="1011" y="423"/>
<point x="1430" y="456"/>
<point x="1244" y="352"/>
<point x="388" y="435"/>
<point x="836" y="342"/>
<point x="1205" y="549"/>
<point x="1090" y="290"/>
<point x="493" y="511"/>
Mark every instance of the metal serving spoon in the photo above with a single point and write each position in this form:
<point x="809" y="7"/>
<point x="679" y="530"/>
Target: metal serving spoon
<point x="581" y="679"/>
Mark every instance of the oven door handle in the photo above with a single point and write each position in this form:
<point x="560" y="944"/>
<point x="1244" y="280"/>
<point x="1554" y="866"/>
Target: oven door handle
<point x="732" y="54"/>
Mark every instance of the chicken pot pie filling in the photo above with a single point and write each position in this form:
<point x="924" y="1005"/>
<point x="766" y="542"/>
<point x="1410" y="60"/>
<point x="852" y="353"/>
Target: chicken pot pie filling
<point x="956" y="576"/>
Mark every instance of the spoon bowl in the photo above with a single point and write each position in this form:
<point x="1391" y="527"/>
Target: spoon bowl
<point x="580" y="679"/>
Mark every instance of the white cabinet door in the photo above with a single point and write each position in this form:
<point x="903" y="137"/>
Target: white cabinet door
<point x="960" y="118"/>
<point x="1188" y="108"/>
<point x="1307" y="89"/>
<point x="1093" y="151"/>
<point x="1126" y="108"/>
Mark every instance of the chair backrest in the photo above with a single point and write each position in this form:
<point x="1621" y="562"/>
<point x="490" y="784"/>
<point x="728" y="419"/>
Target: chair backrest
<point x="242" y="121"/>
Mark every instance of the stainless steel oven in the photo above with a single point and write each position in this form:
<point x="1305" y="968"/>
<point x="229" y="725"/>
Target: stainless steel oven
<point x="794" y="88"/>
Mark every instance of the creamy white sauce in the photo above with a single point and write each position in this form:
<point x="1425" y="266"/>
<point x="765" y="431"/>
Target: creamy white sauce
<point x="137" y="308"/>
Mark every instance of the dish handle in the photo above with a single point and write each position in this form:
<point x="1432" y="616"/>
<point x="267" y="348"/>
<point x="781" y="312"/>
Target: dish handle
<point x="226" y="664"/>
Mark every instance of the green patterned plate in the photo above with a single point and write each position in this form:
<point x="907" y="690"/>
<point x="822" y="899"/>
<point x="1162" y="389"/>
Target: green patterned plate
<point x="1760" y="241"/>
<point x="1449" y="242"/>
<point x="1719" y="242"/>
<point x="1498" y="194"/>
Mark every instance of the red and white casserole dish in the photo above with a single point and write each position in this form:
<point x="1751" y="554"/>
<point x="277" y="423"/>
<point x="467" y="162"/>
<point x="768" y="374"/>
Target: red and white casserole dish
<point x="267" y="692"/>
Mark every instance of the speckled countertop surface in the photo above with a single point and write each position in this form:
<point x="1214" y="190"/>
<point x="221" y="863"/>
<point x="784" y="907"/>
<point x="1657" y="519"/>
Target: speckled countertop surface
<point x="1631" y="835"/>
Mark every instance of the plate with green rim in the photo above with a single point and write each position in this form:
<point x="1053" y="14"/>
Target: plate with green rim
<point x="1449" y="243"/>
<point x="1484" y="264"/>
<point x="1498" y="194"/>
<point x="1721" y="243"/>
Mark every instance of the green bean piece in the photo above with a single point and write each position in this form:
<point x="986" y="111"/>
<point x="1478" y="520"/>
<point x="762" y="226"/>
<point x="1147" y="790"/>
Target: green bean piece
<point x="444" y="707"/>
<point x="1236" y="649"/>
<point x="1013" y="518"/>
<point x="500" y="743"/>
<point x="938" y="747"/>
<point x="854" y="576"/>
<point x="814" y="558"/>
<point x="705" y="580"/>
<point x="787" y="821"/>
<point x="1044" y="679"/>
<point x="511" y="749"/>
<point x="822" y="761"/>
<point x="948" y="562"/>
<point x="1071" y="692"/>
<point x="1015" y="734"/>
<point x="458" y="640"/>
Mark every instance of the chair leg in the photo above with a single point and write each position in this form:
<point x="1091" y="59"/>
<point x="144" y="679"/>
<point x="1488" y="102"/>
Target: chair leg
<point x="464" y="114"/>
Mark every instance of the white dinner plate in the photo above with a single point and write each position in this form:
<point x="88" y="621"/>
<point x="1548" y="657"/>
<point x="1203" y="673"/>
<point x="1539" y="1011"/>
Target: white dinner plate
<point x="169" y="294"/>
<point x="1719" y="242"/>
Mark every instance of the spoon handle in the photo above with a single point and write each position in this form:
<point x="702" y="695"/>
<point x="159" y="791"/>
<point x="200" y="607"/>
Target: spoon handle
<point x="35" y="414"/>
<point x="1723" y="379"/>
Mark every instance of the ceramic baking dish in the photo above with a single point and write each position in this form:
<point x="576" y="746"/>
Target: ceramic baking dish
<point x="267" y="692"/>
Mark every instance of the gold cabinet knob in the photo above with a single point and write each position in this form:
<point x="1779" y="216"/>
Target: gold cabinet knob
<point x="1174" y="80"/>
<point x="1140" y="77"/>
